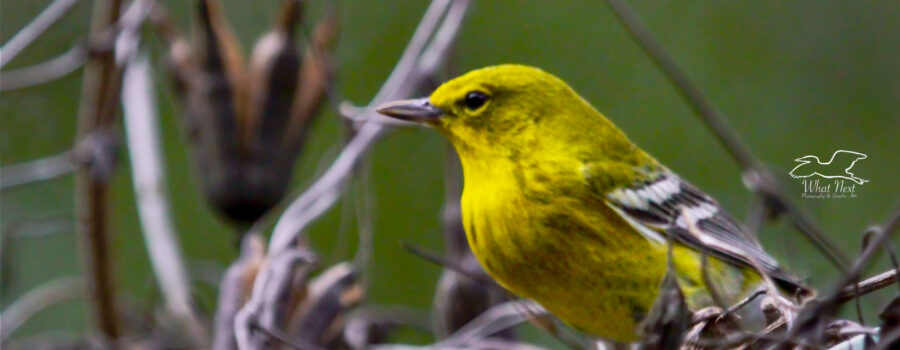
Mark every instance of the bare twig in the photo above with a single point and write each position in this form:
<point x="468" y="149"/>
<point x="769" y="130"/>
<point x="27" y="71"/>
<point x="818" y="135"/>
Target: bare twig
<point x="892" y="253"/>
<point x="97" y="111"/>
<point x="365" y="222"/>
<point x="285" y="339"/>
<point x="450" y="265"/>
<point x="322" y="194"/>
<point x="235" y="287"/>
<point x="328" y="188"/>
<point x="54" y="339"/>
<point x="36" y="170"/>
<point x="331" y="296"/>
<point x="874" y="283"/>
<point x="496" y="319"/>
<point x="35" y="226"/>
<point x="829" y="303"/>
<point x="272" y="288"/>
<point x="33" y="30"/>
<point x="139" y="103"/>
<point x="482" y="344"/>
<point x="756" y="176"/>
<point x="476" y="334"/>
<point x="44" y="72"/>
<point x="127" y="38"/>
<point x="372" y="324"/>
<point x="36" y="300"/>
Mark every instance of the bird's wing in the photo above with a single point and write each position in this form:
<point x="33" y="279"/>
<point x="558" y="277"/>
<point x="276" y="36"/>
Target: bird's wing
<point x="668" y="205"/>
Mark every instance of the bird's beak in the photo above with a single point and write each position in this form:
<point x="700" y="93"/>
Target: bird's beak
<point x="417" y="110"/>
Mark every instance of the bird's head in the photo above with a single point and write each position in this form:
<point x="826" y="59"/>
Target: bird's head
<point x="495" y="108"/>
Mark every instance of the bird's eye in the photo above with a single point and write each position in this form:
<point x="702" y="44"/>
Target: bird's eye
<point x="475" y="99"/>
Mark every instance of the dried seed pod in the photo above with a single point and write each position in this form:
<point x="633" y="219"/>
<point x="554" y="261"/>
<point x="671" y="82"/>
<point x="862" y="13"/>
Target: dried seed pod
<point x="709" y="325"/>
<point x="272" y="83"/>
<point x="245" y="124"/>
<point x="320" y="318"/>
<point x="212" y="81"/>
<point x="264" y="313"/>
<point x="235" y="289"/>
<point x="362" y="332"/>
<point x="315" y="80"/>
<point x="459" y="299"/>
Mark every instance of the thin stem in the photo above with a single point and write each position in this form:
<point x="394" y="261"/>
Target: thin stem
<point x="33" y="30"/>
<point x="36" y="300"/>
<point x="328" y="188"/>
<point x="97" y="111"/>
<point x="831" y="301"/>
<point x="402" y="81"/>
<point x="496" y="319"/>
<point x="152" y="200"/>
<point x="36" y="170"/>
<point x="44" y="72"/>
<point x="874" y="283"/>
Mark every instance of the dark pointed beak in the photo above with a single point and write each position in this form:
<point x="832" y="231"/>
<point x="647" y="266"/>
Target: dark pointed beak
<point x="417" y="110"/>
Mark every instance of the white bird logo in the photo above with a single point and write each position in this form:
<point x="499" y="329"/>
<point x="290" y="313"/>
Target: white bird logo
<point x="811" y="165"/>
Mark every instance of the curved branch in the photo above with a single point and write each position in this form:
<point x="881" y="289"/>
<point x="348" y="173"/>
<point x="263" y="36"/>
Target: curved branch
<point x="44" y="72"/>
<point x="37" y="170"/>
<point x="33" y="30"/>
<point x="36" y="300"/>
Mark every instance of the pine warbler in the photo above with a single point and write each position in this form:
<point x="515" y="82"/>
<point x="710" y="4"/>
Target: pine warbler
<point x="560" y="207"/>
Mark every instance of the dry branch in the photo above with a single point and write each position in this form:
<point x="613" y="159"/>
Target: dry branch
<point x="406" y="76"/>
<point x="44" y="72"/>
<point x="36" y="170"/>
<point x="810" y="319"/>
<point x="234" y="289"/>
<point x="36" y="300"/>
<point x="869" y="285"/>
<point x="497" y="319"/>
<point x="442" y="16"/>
<point x="33" y="30"/>
<point x="96" y="115"/>
<point x="152" y="199"/>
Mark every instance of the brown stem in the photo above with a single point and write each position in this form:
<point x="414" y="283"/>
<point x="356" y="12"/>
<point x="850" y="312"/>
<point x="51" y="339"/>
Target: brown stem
<point x="870" y="285"/>
<point x="99" y="101"/>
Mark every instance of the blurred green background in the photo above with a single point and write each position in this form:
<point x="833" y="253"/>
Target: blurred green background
<point x="795" y="78"/>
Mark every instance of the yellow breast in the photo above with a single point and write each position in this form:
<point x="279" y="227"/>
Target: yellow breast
<point x="574" y="256"/>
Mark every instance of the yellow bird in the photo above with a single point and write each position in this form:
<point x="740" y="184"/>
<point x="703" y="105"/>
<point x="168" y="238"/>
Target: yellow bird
<point x="560" y="207"/>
